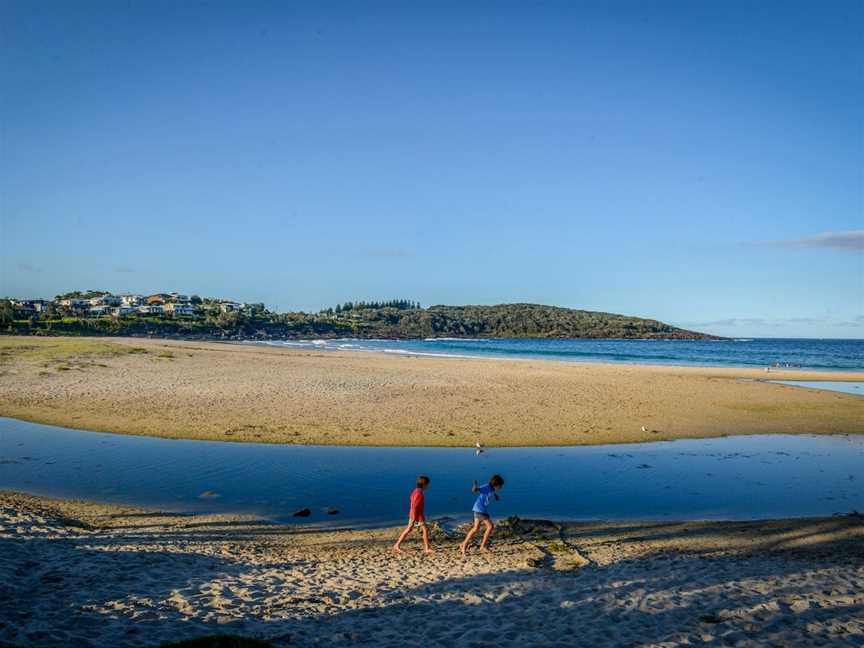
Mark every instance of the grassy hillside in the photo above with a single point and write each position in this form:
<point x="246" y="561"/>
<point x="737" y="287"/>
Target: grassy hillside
<point x="516" y="321"/>
<point x="505" y="320"/>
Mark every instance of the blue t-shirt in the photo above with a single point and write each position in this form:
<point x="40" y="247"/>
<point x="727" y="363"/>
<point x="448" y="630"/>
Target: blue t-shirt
<point x="482" y="504"/>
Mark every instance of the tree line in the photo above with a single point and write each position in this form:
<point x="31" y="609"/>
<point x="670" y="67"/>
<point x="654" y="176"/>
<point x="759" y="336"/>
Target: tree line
<point x="400" y="304"/>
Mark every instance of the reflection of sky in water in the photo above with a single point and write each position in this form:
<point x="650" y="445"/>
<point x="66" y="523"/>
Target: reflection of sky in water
<point x="856" y="388"/>
<point x="734" y="477"/>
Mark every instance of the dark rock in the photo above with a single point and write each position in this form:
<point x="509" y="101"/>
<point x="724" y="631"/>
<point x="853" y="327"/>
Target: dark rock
<point x="304" y="512"/>
<point x="332" y="511"/>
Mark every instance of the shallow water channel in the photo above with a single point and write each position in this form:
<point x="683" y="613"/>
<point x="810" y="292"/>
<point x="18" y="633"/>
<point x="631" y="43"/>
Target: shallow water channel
<point x="726" y="478"/>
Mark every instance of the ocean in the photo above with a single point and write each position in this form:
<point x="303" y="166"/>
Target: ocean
<point x="821" y="354"/>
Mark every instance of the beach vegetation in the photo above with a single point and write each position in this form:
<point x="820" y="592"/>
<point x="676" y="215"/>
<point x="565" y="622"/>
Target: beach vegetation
<point x="82" y="294"/>
<point x="62" y="354"/>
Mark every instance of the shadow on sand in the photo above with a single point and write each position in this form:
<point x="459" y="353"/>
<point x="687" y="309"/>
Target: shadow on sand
<point x="654" y="584"/>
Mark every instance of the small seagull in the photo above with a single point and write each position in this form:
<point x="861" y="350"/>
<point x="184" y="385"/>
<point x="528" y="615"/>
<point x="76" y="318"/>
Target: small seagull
<point x="644" y="429"/>
<point x="479" y="448"/>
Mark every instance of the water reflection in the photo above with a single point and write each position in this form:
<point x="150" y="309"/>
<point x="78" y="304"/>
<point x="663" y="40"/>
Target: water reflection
<point x="856" y="388"/>
<point x="733" y="478"/>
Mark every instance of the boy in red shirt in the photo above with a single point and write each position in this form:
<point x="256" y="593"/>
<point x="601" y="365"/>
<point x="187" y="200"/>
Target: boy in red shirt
<point x="416" y="516"/>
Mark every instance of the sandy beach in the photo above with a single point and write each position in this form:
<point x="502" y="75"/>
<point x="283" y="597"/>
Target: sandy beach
<point x="77" y="574"/>
<point x="233" y="392"/>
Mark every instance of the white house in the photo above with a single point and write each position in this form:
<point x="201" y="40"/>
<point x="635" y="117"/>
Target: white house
<point x="229" y="307"/>
<point x="96" y="311"/>
<point x="178" y="309"/>
<point x="23" y="308"/>
<point x="75" y="303"/>
<point x="122" y="311"/>
<point x="39" y="305"/>
<point x="151" y="309"/>
<point x="106" y="300"/>
<point x="178" y="298"/>
<point x="132" y="300"/>
<point x="34" y="305"/>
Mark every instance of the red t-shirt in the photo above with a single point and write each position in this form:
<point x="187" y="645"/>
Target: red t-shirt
<point x="417" y="502"/>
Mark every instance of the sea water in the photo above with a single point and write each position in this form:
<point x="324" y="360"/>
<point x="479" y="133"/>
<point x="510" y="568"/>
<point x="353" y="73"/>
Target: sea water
<point x="827" y="354"/>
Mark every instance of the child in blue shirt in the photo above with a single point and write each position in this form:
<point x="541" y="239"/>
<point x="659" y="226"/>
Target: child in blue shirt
<point x="481" y="512"/>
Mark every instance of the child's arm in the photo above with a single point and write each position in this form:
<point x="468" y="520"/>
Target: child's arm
<point x="497" y="499"/>
<point x="474" y="487"/>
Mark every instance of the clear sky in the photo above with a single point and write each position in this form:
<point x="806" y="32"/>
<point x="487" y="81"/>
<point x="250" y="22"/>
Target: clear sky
<point x="697" y="162"/>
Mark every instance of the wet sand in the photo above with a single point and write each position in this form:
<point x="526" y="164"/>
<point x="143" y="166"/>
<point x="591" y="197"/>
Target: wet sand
<point x="228" y="392"/>
<point x="96" y="575"/>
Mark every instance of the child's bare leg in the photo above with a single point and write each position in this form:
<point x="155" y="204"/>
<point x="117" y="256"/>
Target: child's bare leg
<point x="471" y="533"/>
<point x="424" y="530"/>
<point x="397" y="547"/>
<point x="484" y="544"/>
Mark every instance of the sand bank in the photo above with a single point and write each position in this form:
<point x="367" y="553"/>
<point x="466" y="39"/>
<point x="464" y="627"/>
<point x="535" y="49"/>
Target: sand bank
<point x="97" y="575"/>
<point x="247" y="393"/>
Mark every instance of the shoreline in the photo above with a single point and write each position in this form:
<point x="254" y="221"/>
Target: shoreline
<point x="396" y="446"/>
<point x="284" y="344"/>
<point x="269" y="394"/>
<point x="102" y="514"/>
<point x="280" y="344"/>
<point x="85" y="574"/>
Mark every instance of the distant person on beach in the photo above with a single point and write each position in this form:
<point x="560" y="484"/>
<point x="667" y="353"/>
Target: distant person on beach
<point x="481" y="512"/>
<point x="416" y="516"/>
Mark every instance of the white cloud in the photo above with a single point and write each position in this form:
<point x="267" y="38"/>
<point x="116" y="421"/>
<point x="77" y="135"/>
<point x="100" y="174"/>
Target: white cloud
<point x="756" y="321"/>
<point x="852" y="240"/>
<point x="23" y="266"/>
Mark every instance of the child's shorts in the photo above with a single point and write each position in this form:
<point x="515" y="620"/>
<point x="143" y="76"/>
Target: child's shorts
<point x="481" y="516"/>
<point x="417" y="523"/>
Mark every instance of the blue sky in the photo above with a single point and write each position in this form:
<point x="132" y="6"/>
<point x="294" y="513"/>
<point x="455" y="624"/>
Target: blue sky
<point x="697" y="162"/>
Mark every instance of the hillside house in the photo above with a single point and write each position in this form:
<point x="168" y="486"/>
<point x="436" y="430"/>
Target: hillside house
<point x="30" y="306"/>
<point x="23" y="308"/>
<point x="179" y="310"/>
<point x="75" y="302"/>
<point x="106" y="300"/>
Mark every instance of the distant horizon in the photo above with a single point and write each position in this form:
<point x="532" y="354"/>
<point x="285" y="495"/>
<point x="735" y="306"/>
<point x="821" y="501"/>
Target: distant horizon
<point x="695" y="163"/>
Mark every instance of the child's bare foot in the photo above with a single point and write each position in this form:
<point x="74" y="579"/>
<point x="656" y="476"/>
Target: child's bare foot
<point x="397" y="549"/>
<point x="485" y="549"/>
<point x="462" y="549"/>
<point x="427" y="551"/>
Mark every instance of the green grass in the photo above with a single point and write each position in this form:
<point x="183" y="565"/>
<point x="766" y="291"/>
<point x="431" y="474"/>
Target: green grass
<point x="219" y="641"/>
<point x="61" y="351"/>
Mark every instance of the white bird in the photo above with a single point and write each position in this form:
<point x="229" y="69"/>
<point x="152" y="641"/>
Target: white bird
<point x="479" y="448"/>
<point x="644" y="429"/>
